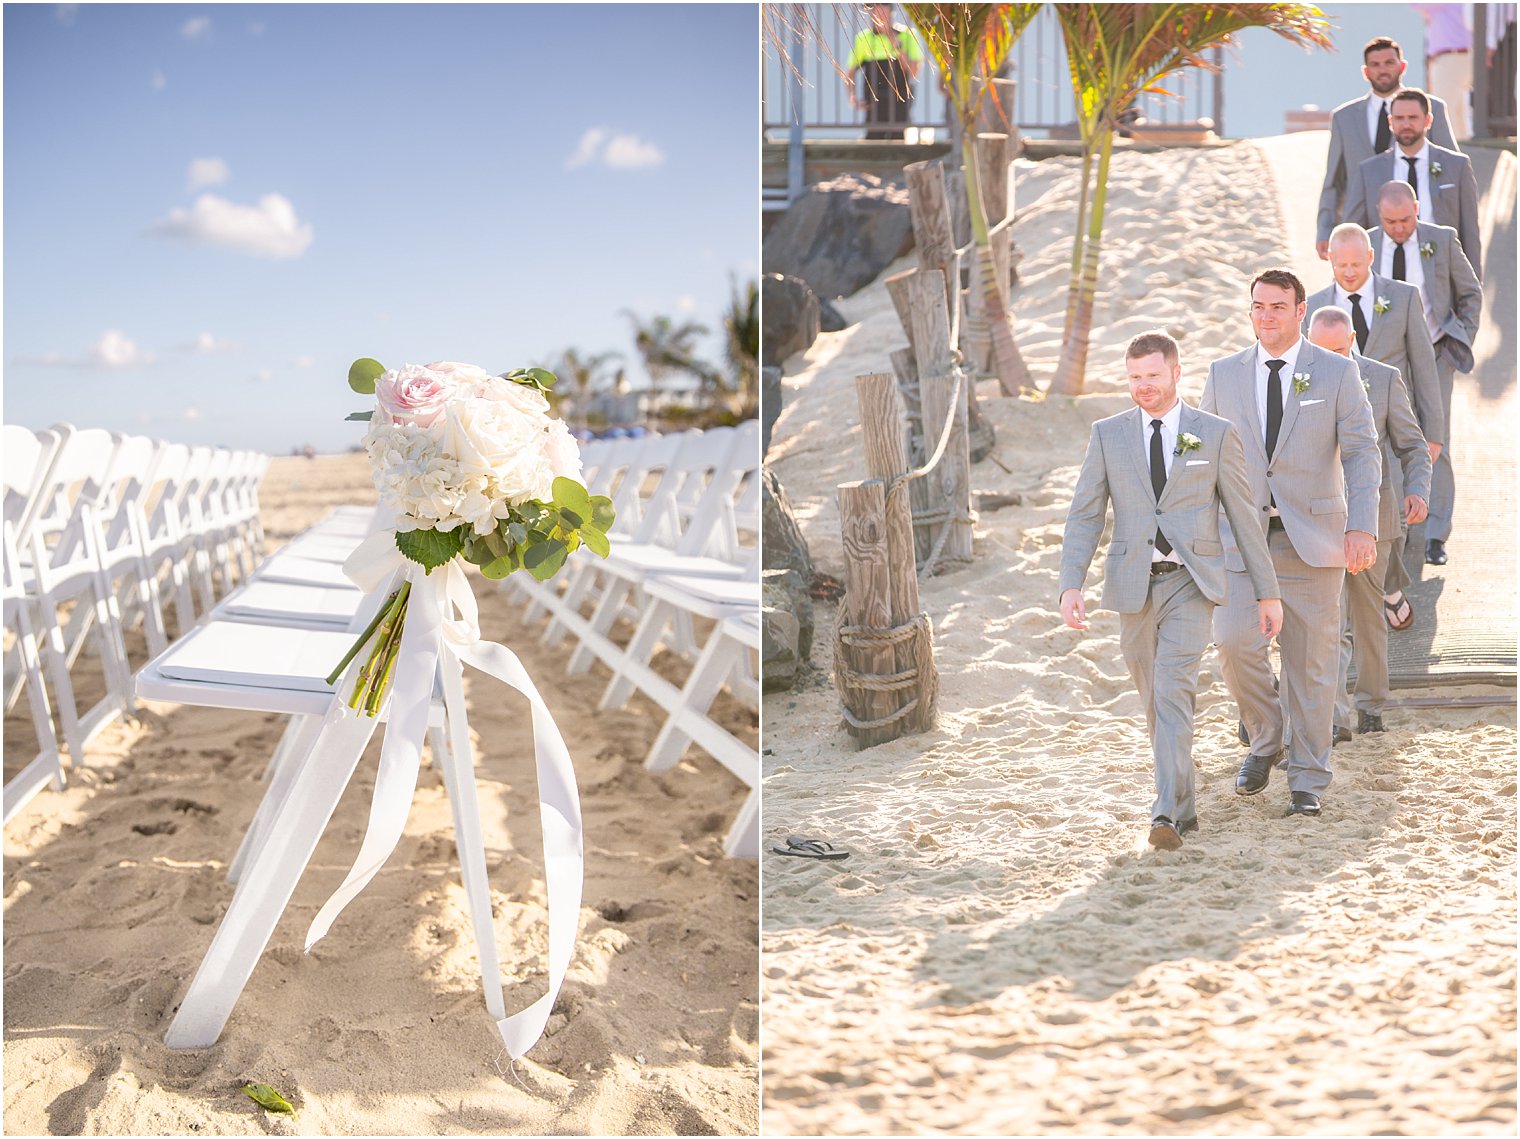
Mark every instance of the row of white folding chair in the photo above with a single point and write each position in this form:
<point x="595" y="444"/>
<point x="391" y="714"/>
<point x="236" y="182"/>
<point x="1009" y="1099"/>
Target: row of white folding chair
<point x="78" y="524"/>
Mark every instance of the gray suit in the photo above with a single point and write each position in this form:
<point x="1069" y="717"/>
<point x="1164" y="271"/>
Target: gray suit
<point x="1324" y="478"/>
<point x="1350" y="146"/>
<point x="1454" y="191"/>
<point x="1164" y="619"/>
<point x="1456" y="301"/>
<point x="1406" y="470"/>
<point x="1399" y="339"/>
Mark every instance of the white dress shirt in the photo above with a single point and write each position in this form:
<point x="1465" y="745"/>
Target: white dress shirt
<point x="1376" y="108"/>
<point x="1171" y="419"/>
<point x="1427" y="191"/>
<point x="1263" y="374"/>
<point x="1365" y="301"/>
<point x="1414" y="274"/>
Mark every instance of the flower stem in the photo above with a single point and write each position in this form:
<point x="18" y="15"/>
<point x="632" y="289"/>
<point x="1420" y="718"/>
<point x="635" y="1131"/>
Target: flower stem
<point x="372" y="678"/>
<point x="332" y="677"/>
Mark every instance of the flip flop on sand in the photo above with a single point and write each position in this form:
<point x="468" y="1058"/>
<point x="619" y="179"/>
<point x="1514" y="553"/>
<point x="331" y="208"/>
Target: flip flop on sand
<point x="811" y="848"/>
<point x="1393" y="608"/>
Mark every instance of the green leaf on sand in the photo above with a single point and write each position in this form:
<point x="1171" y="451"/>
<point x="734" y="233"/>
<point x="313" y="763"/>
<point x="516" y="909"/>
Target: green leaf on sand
<point x="430" y="548"/>
<point x="267" y="1098"/>
<point x="363" y="373"/>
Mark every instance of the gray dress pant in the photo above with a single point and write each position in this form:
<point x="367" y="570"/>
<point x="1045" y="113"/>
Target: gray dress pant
<point x="1443" y="486"/>
<point x="1162" y="647"/>
<point x="1309" y="641"/>
<point x="1364" y="638"/>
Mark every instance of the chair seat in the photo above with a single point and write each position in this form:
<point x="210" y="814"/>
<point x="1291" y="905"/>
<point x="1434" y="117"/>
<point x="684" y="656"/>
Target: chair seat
<point x="256" y="656"/>
<point x="705" y="595"/>
<point x="303" y="571"/>
<point x="279" y="601"/>
<point x="638" y="561"/>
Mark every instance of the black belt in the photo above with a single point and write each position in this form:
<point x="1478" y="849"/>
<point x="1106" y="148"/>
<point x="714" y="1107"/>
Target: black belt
<point x="1275" y="523"/>
<point x="1159" y="568"/>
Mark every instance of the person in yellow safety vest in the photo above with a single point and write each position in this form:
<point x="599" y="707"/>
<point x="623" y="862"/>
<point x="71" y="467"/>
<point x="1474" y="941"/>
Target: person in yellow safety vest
<point x="887" y="56"/>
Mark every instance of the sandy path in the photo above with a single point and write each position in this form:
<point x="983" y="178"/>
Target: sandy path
<point x="113" y="889"/>
<point x="1002" y="953"/>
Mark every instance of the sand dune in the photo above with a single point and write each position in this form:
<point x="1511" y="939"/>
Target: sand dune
<point x="113" y="889"/>
<point x="1002" y="953"/>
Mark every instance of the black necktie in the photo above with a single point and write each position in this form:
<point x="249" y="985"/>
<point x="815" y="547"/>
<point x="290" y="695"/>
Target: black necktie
<point x="1413" y="179"/>
<point x="1398" y="262"/>
<point x="1358" y="322"/>
<point x="1384" y="136"/>
<point x="1274" y="404"/>
<point x="1158" y="479"/>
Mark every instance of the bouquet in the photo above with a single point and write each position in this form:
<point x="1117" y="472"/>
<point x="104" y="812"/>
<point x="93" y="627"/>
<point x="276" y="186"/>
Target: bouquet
<point x="474" y="467"/>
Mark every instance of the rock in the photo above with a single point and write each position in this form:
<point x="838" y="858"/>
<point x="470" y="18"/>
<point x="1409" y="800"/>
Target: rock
<point x="791" y="317"/>
<point x="840" y="234"/>
<point x="770" y="405"/>
<point x="778" y="650"/>
<point x="829" y="318"/>
<point x="787" y="590"/>
<point x="782" y="542"/>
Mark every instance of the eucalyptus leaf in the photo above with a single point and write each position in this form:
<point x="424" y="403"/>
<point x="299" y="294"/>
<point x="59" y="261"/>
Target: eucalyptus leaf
<point x="544" y="560"/>
<point x="430" y="548"/>
<point x="546" y="379"/>
<point x="570" y="519"/>
<point x="359" y="416"/>
<point x="363" y="373"/>
<point x="596" y="542"/>
<point x="518" y="532"/>
<point x="602" y="514"/>
<point x="267" y="1098"/>
<point x="500" y="567"/>
<point x="568" y="492"/>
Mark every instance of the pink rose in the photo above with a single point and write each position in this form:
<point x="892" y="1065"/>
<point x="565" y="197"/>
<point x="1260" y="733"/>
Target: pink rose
<point x="414" y="394"/>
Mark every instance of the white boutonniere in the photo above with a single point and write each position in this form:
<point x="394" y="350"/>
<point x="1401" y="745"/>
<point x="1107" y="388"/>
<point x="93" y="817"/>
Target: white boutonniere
<point x="1435" y="169"/>
<point x="1300" y="383"/>
<point x="1427" y="249"/>
<point x="1366" y="387"/>
<point x="1381" y="305"/>
<point x="1186" y="441"/>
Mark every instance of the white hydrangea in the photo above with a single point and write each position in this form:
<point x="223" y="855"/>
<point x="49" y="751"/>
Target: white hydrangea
<point x="493" y="446"/>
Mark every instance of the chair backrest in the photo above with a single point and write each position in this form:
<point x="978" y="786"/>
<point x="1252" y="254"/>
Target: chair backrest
<point x="27" y="458"/>
<point x="712" y="527"/>
<point x="651" y="460"/>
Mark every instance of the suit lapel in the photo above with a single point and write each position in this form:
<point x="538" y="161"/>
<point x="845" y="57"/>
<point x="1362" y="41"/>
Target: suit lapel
<point x="1186" y="421"/>
<point x="1245" y="369"/>
<point x="1137" y="431"/>
<point x="1380" y="321"/>
<point x="1290" y="397"/>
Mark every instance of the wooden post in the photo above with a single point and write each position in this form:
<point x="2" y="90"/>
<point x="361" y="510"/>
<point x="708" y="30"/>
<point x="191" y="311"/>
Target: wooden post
<point x="932" y="231"/>
<point x="906" y="368"/>
<point x="867" y="602"/>
<point x="885" y="460"/>
<point x="992" y="167"/>
<point x="897" y="289"/>
<point x="950" y="482"/>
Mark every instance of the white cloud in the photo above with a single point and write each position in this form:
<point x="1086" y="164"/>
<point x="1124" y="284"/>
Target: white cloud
<point x="196" y="28"/>
<point x="115" y="350"/>
<point x="205" y="172"/>
<point x="269" y="229"/>
<point x="157" y="81"/>
<point x="263" y="376"/>
<point x="191" y="414"/>
<point x="209" y="344"/>
<point x="686" y="303"/>
<point x="303" y="362"/>
<point x="619" y="151"/>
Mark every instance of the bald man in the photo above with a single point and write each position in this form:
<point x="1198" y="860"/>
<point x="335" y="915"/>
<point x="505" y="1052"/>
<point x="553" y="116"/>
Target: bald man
<point x="1430" y="258"/>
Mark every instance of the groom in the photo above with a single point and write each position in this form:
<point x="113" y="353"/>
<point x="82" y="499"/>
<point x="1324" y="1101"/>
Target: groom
<point x="1313" y="465"/>
<point x="1168" y="469"/>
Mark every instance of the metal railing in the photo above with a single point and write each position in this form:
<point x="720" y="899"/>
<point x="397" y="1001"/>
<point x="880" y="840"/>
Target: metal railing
<point x="813" y="93"/>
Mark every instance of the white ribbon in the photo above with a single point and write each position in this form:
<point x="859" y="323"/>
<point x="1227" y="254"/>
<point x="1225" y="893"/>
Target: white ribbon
<point x="434" y="644"/>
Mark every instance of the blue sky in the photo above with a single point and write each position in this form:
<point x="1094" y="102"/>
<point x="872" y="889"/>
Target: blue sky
<point x="211" y="210"/>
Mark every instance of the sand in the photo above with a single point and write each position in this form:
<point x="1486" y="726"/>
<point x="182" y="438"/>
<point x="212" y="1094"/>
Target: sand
<point x="114" y="888"/>
<point x="1002" y="953"/>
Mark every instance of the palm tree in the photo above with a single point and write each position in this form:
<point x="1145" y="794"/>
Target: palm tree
<point x="741" y="325"/>
<point x="585" y="375"/>
<point x="1115" y="52"/>
<point x="968" y="43"/>
<point x="668" y="348"/>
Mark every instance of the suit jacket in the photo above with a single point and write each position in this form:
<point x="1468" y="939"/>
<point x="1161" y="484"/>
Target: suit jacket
<point x="1400" y="339"/>
<point x="1406" y="459"/>
<point x="1455" y="190"/>
<point x="1451" y="287"/>
<point x="1203" y="482"/>
<point x="1350" y="146"/>
<point x="1327" y="468"/>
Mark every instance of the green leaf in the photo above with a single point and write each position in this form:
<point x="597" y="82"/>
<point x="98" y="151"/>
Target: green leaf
<point x="568" y="492"/>
<point x="267" y="1098"/>
<point x="544" y="560"/>
<point x="546" y="379"/>
<point x="602" y="514"/>
<point x="501" y="567"/>
<point x="570" y="519"/>
<point x="430" y="548"/>
<point x="518" y="532"/>
<point x="596" y="542"/>
<point x="359" y="416"/>
<point x="363" y="373"/>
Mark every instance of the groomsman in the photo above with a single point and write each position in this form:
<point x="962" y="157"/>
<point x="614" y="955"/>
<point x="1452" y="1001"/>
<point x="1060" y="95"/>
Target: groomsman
<point x="1313" y="465"/>
<point x="1388" y="317"/>
<point x="1442" y="179"/>
<point x="1359" y="129"/>
<point x="1402" y="498"/>
<point x="1430" y="258"/>
<point x="1169" y="469"/>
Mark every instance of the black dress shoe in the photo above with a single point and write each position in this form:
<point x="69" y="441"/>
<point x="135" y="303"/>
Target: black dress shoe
<point x="1435" y="552"/>
<point x="1164" y="834"/>
<point x="1342" y="735"/>
<point x="1303" y="803"/>
<point x="1368" y="722"/>
<point x="1188" y="825"/>
<point x="1241" y="734"/>
<point x="1254" y="773"/>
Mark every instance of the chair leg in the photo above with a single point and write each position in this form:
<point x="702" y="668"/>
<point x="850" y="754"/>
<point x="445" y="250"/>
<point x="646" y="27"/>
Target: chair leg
<point x="602" y="620"/>
<point x="268" y="882"/>
<point x="641" y="649"/>
<point x="280" y="773"/>
<point x="707" y="678"/>
<point x="743" y="838"/>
